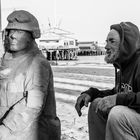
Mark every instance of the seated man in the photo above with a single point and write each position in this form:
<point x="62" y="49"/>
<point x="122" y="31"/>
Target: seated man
<point x="115" y="114"/>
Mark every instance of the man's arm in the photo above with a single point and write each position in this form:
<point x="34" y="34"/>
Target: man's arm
<point x="95" y="93"/>
<point x="27" y="110"/>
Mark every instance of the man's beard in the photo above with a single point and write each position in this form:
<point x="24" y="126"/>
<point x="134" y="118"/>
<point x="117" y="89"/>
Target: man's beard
<point x="110" y="58"/>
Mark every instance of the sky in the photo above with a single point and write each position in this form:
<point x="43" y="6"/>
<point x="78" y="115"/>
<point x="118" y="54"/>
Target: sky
<point x="88" y="20"/>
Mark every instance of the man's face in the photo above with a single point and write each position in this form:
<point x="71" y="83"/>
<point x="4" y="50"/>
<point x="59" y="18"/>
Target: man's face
<point x="112" y="46"/>
<point x="18" y="39"/>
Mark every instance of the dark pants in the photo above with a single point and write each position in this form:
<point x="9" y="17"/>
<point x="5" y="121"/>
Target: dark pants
<point x="122" y="123"/>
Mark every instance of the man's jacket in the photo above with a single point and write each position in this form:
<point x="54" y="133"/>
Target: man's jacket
<point x="127" y="76"/>
<point x="27" y="100"/>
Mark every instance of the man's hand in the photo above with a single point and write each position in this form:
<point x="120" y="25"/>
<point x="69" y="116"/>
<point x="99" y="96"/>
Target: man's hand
<point x="106" y="103"/>
<point x="82" y="100"/>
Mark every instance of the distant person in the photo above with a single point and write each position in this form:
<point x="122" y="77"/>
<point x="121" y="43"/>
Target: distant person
<point x="27" y="100"/>
<point x="115" y="114"/>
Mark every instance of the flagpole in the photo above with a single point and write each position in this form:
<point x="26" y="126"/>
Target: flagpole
<point x="0" y="15"/>
<point x="1" y="43"/>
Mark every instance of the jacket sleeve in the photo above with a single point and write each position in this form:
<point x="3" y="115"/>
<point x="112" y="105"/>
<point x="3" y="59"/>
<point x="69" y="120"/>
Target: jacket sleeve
<point x="131" y="99"/>
<point x="95" y="93"/>
<point x="27" y="110"/>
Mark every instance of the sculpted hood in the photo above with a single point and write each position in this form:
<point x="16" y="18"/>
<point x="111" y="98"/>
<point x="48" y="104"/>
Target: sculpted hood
<point x="130" y="42"/>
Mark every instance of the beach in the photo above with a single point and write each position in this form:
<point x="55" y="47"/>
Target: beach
<point x="70" y="79"/>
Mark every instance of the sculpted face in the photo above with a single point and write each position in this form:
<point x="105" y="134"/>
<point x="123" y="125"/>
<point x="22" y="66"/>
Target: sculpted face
<point x="112" y="46"/>
<point x="18" y="40"/>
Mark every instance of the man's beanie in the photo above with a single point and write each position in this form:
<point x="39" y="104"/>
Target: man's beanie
<point x="118" y="28"/>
